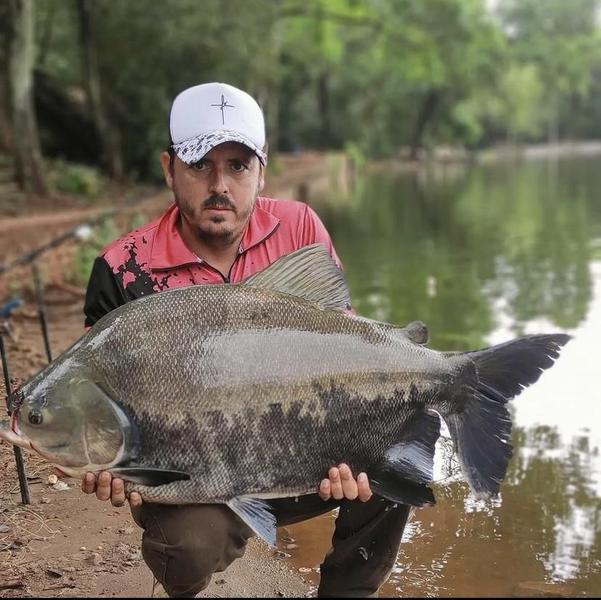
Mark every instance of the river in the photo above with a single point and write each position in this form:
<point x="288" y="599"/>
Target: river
<point x="482" y="254"/>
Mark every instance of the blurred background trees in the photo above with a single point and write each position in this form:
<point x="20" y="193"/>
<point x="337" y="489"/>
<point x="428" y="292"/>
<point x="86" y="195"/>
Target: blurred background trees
<point x="91" y="81"/>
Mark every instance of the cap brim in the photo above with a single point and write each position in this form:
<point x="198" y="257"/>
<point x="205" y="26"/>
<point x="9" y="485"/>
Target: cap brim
<point x="192" y="150"/>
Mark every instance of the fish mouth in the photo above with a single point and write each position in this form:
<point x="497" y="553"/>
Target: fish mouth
<point x="14" y="423"/>
<point x="15" y="437"/>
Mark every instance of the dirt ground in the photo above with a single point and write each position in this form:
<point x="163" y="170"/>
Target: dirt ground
<point x="66" y="543"/>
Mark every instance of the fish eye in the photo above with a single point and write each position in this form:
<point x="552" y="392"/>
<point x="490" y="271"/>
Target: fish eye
<point x="35" y="417"/>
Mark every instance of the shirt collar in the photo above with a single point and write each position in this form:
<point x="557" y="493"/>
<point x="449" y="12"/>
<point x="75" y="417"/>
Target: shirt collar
<point x="169" y="250"/>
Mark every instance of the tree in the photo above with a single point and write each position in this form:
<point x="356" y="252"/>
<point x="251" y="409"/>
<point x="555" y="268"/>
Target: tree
<point x="29" y="168"/>
<point x="560" y="38"/>
<point x="110" y="151"/>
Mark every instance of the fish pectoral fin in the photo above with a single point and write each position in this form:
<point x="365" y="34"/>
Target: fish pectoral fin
<point x="149" y="475"/>
<point x="408" y="466"/>
<point x="257" y="515"/>
<point x="308" y="273"/>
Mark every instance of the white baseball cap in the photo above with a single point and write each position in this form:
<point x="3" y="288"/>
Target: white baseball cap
<point x="210" y="114"/>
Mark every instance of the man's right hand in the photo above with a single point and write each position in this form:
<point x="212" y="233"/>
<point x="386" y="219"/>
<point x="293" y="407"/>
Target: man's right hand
<point x="108" y="488"/>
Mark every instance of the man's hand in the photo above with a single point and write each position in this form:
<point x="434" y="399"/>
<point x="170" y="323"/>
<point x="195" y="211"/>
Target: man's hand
<point x="341" y="484"/>
<point x="108" y="488"/>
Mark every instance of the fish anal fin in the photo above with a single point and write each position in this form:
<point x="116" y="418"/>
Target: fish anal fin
<point x="257" y="515"/>
<point x="396" y="489"/>
<point x="408" y="466"/>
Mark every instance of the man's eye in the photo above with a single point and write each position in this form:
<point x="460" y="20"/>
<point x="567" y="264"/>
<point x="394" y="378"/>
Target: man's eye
<point x="238" y="166"/>
<point x="200" y="165"/>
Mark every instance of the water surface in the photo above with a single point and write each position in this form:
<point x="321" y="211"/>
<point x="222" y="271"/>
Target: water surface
<point x="482" y="255"/>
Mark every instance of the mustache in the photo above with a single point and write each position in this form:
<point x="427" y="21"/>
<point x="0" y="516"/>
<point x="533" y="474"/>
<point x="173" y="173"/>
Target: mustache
<point x="218" y="201"/>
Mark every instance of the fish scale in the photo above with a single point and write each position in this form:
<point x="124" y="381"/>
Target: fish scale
<point x="237" y="393"/>
<point x="218" y="350"/>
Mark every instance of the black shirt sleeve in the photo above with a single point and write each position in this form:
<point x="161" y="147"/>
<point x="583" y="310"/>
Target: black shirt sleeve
<point x="104" y="292"/>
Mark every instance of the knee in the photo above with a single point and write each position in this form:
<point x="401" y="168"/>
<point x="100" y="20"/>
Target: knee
<point x="184" y="545"/>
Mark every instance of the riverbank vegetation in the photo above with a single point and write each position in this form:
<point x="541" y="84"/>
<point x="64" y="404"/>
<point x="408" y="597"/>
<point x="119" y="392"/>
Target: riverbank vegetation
<point x="91" y="81"/>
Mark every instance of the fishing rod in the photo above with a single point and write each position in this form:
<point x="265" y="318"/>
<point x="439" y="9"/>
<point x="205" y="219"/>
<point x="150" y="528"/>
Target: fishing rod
<point x="80" y="231"/>
<point x="6" y="310"/>
<point x="20" y="463"/>
<point x="39" y="294"/>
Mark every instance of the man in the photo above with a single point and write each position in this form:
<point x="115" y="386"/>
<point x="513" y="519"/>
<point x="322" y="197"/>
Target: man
<point x="219" y="230"/>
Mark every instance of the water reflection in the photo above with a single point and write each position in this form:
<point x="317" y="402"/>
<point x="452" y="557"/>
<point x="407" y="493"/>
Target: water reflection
<point x="481" y="256"/>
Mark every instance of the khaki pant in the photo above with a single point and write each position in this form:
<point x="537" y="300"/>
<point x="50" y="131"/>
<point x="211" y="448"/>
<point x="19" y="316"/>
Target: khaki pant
<point x="184" y="545"/>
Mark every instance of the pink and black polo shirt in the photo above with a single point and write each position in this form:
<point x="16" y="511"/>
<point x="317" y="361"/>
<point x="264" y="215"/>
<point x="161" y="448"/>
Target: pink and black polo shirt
<point x="154" y="257"/>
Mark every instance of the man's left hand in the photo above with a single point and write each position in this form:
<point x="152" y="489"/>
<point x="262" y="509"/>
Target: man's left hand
<point x="341" y="484"/>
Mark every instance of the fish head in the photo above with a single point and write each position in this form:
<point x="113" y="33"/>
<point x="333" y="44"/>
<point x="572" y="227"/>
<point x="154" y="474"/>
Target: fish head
<point x="73" y="423"/>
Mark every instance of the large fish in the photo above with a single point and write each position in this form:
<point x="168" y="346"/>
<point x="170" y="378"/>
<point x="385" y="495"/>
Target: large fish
<point x="237" y="393"/>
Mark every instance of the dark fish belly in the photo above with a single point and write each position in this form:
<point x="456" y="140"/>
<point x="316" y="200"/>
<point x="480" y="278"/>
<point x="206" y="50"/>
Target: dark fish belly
<point x="285" y="446"/>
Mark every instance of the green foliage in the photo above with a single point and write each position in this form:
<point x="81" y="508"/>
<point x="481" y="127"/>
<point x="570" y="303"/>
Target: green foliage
<point x="75" y="179"/>
<point x="137" y="220"/>
<point x="372" y="76"/>
<point x="89" y="249"/>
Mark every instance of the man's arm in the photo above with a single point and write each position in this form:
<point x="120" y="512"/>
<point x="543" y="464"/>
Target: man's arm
<point x="104" y="292"/>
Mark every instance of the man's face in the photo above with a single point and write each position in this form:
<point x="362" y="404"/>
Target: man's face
<point x="216" y="195"/>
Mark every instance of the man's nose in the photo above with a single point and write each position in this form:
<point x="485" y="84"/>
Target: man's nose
<point x="218" y="183"/>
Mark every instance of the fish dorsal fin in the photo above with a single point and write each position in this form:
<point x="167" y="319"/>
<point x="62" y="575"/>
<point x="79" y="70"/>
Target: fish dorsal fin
<point x="308" y="273"/>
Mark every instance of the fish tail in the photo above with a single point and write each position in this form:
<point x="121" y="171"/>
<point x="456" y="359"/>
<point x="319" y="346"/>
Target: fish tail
<point x="481" y="425"/>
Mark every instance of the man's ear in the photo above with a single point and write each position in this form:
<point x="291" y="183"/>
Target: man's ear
<point x="167" y="172"/>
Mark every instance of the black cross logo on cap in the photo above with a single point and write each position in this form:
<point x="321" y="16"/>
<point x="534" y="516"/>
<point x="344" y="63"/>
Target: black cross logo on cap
<point x="223" y="105"/>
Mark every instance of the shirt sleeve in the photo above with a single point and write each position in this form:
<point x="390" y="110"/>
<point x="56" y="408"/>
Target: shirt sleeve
<point x="313" y="231"/>
<point x="104" y="293"/>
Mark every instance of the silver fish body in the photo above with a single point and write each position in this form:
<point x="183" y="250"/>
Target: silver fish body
<point x="225" y="392"/>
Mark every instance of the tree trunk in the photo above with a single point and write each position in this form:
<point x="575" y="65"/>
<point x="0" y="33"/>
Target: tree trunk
<point x="5" y="126"/>
<point x="425" y="116"/>
<point x="29" y="168"/>
<point x="110" y="153"/>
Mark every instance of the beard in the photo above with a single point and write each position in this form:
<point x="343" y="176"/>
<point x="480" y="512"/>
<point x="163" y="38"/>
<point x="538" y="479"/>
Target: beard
<point x="216" y="228"/>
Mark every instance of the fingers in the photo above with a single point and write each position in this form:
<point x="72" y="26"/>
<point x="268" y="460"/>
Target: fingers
<point x="364" y="490"/>
<point x="135" y="499"/>
<point x="117" y="492"/>
<point x="341" y="484"/>
<point x="335" y="483"/>
<point x="88" y="484"/>
<point x="103" y="486"/>
<point x="325" y="490"/>
<point x="107" y="488"/>
<point x="347" y="483"/>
